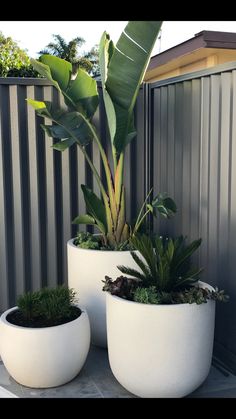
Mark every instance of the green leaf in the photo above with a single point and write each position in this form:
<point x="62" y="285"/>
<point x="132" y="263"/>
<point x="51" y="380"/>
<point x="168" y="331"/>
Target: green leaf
<point x="42" y="108"/>
<point x="132" y="272"/>
<point x="68" y="126"/>
<point x="141" y="264"/>
<point x="164" y="205"/>
<point x="45" y="71"/>
<point x="64" y="144"/>
<point x="84" y="219"/>
<point x="95" y="208"/>
<point x="36" y="104"/>
<point x="83" y="92"/>
<point x="125" y="72"/>
<point x="59" y="70"/>
<point x="106" y="49"/>
<point x="186" y="253"/>
<point x="144" y="245"/>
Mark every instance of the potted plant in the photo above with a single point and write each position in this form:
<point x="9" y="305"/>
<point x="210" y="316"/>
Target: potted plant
<point x="44" y="340"/>
<point x="160" y="321"/>
<point x="122" y="69"/>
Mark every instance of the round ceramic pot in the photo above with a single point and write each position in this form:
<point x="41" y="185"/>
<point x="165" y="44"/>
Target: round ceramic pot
<point x="44" y="357"/>
<point x="86" y="271"/>
<point x="160" y="350"/>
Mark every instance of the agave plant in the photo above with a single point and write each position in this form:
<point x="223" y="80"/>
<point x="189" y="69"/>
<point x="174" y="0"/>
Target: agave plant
<point x="122" y="70"/>
<point x="165" y="263"/>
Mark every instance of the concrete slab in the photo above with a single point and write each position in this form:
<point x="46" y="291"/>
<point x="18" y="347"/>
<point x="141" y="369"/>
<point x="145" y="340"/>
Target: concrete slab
<point x="97" y="381"/>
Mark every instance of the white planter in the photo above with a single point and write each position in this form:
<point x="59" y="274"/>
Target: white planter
<point x="160" y="350"/>
<point x="44" y="357"/>
<point x="86" y="271"/>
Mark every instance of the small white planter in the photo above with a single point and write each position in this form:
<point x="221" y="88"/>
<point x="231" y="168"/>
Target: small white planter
<point x="44" y="357"/>
<point x="86" y="271"/>
<point x="160" y="350"/>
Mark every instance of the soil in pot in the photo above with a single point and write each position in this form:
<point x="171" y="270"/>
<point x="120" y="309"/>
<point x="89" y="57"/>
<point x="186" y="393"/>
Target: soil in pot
<point x="16" y="317"/>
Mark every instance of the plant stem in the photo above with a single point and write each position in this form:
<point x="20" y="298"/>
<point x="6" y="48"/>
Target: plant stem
<point x="139" y="219"/>
<point x="138" y="224"/>
<point x="114" y="158"/>
<point x="108" y="173"/>
<point x="119" y="175"/>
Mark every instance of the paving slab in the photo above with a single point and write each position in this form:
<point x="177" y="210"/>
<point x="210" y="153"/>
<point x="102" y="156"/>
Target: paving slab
<point x="96" y="380"/>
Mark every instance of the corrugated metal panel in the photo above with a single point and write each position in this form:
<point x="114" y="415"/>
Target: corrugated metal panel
<point x="194" y="160"/>
<point x="40" y="190"/>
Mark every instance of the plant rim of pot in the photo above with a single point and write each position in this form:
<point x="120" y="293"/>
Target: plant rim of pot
<point x="107" y="251"/>
<point x="201" y="284"/>
<point x="4" y="315"/>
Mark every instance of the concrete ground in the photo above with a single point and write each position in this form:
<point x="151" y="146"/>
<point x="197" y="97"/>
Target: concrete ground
<point x="97" y="381"/>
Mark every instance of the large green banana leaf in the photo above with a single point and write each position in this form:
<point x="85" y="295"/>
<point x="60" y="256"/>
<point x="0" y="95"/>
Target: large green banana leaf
<point x="122" y="72"/>
<point x="69" y="127"/>
<point x="79" y="94"/>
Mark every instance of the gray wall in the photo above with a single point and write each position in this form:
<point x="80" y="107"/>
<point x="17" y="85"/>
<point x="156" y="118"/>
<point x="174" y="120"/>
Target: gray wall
<point x="186" y="146"/>
<point x="193" y="141"/>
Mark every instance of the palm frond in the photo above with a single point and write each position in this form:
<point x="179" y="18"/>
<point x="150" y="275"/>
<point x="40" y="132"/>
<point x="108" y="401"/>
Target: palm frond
<point x="141" y="264"/>
<point x="144" y="245"/>
<point x="185" y="254"/>
<point x="132" y="272"/>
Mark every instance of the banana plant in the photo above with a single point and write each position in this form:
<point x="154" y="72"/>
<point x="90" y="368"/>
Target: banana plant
<point x="122" y="70"/>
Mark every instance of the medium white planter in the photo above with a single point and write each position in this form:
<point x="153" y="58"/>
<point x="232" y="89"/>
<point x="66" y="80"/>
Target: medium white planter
<point x="44" y="357"/>
<point x="86" y="271"/>
<point x="160" y="350"/>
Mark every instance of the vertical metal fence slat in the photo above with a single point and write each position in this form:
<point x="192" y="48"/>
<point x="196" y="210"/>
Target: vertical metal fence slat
<point x="170" y="149"/>
<point x="213" y="177"/>
<point x="156" y="150"/>
<point x="204" y="171"/>
<point x="163" y="151"/>
<point x="35" y="235"/>
<point x="81" y="180"/>
<point x="178" y="173"/>
<point x="19" y="256"/>
<point x="224" y="176"/>
<point x="187" y="109"/>
<point x="51" y="228"/>
<point x="4" y="280"/>
<point x="195" y="165"/>
<point x="66" y="203"/>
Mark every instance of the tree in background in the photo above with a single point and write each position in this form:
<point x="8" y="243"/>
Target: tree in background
<point x="69" y="52"/>
<point x="14" y="61"/>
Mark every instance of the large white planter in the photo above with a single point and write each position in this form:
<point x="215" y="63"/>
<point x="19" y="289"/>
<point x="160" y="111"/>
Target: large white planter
<point x="86" y="271"/>
<point x="44" y="357"/>
<point x="160" y="350"/>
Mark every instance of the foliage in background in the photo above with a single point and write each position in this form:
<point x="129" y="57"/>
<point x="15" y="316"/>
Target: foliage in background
<point x="69" y="51"/>
<point x="122" y="70"/>
<point x="14" y="61"/>
<point x="47" y="307"/>
<point x="165" y="275"/>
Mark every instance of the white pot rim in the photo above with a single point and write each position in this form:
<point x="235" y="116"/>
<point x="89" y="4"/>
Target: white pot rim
<point x="182" y="306"/>
<point x="71" y="243"/>
<point x="4" y="320"/>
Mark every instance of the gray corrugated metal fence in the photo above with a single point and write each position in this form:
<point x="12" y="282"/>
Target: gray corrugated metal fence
<point x="193" y="139"/>
<point x="186" y="146"/>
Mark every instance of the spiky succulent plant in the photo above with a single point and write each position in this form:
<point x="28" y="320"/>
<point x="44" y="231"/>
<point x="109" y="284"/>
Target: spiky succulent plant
<point x="165" y="262"/>
<point x="165" y="275"/>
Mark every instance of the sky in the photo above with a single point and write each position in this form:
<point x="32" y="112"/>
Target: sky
<point x="30" y="36"/>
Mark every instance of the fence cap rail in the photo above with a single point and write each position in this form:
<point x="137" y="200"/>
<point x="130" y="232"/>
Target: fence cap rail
<point x="221" y="68"/>
<point x="27" y="81"/>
